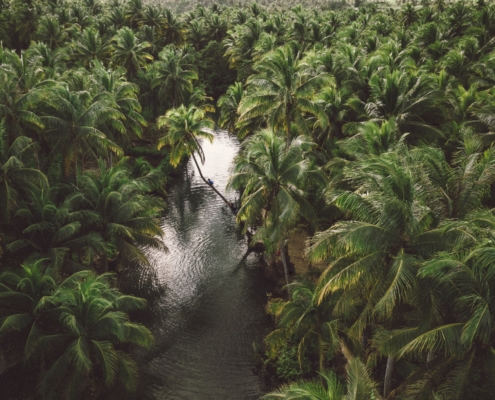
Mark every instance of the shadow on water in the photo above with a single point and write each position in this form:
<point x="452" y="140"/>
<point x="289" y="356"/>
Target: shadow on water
<point x="206" y="295"/>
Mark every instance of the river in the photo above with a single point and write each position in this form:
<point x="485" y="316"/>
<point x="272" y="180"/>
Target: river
<point x="210" y="313"/>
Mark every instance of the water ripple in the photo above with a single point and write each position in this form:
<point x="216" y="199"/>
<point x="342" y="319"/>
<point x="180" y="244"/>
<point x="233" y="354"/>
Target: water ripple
<point x="212" y="310"/>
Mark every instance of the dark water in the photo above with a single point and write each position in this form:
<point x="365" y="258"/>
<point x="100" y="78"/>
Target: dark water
<point x="212" y="309"/>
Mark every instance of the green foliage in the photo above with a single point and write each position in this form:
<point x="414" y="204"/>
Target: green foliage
<point x="372" y="125"/>
<point x="213" y="70"/>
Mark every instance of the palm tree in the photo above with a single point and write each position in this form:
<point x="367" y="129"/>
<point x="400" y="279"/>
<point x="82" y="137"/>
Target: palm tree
<point x="16" y="108"/>
<point x="461" y="285"/>
<point x="286" y="90"/>
<point x="14" y="173"/>
<point x="404" y="97"/>
<point x="22" y="295"/>
<point x="360" y="386"/>
<point x="376" y="251"/>
<point x="51" y="61"/>
<point x="125" y="97"/>
<point x="73" y="121"/>
<point x="173" y="74"/>
<point x="50" y="31"/>
<point x="127" y="216"/>
<point x="305" y="320"/>
<point x="184" y="127"/>
<point x="273" y="180"/>
<point x="174" y="30"/>
<point x="196" y="34"/>
<point x="89" y="47"/>
<point x="129" y="52"/>
<point x="84" y="342"/>
<point x="228" y="105"/>
<point x="55" y="230"/>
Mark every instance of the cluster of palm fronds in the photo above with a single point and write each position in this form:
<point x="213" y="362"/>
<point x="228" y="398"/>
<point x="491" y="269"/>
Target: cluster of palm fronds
<point x="376" y="128"/>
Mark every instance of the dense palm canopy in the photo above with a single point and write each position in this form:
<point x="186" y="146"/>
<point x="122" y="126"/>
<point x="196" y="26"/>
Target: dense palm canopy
<point x="92" y="321"/>
<point x="371" y="125"/>
<point x="286" y="87"/>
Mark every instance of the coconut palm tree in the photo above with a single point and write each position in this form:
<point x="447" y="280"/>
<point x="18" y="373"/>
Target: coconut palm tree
<point x="89" y="47"/>
<point x="73" y="123"/>
<point x="184" y="127"/>
<point x="404" y="97"/>
<point x="129" y="52"/>
<point x="306" y="321"/>
<point x="51" y="61"/>
<point x="273" y="180"/>
<point x="127" y="216"/>
<point x="359" y="386"/>
<point x="14" y="173"/>
<point x="228" y="105"/>
<point x="22" y="296"/>
<point x="459" y="347"/>
<point x="84" y="343"/>
<point x="55" y="230"/>
<point x="50" y="32"/>
<point x="376" y="251"/>
<point x="125" y="97"/>
<point x="287" y="86"/>
<point x="17" y="108"/>
<point x="175" y="33"/>
<point x="173" y="75"/>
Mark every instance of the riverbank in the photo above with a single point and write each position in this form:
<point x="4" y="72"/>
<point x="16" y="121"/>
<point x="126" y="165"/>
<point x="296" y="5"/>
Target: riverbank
<point x="300" y="266"/>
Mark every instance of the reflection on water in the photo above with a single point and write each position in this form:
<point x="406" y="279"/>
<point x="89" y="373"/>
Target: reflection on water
<point x="211" y="311"/>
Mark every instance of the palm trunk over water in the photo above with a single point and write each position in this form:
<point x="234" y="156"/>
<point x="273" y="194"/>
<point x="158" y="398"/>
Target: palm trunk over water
<point x="214" y="189"/>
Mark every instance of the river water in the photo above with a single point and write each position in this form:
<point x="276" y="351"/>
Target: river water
<point x="211" y="310"/>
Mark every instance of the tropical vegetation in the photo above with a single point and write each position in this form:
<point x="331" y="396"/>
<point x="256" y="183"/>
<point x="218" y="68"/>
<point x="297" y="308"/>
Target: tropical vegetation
<point x="369" y="124"/>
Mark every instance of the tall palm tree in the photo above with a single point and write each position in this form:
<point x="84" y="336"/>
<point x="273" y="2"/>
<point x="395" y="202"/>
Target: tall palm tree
<point x="125" y="97"/>
<point x="73" y="121"/>
<point x="22" y="295"/>
<point x="376" y="251"/>
<point x="273" y="178"/>
<point x="360" y="386"/>
<point x="175" y="33"/>
<point x="127" y="216"/>
<point x="228" y="105"/>
<point x="50" y="31"/>
<point x="404" y="97"/>
<point x="173" y="75"/>
<point x="14" y="173"/>
<point x="461" y="342"/>
<point x="51" y="61"/>
<point x="306" y="321"/>
<point x="184" y="127"/>
<point x="281" y="92"/>
<point x="55" y="230"/>
<point x="17" y="109"/>
<point x="84" y="343"/>
<point x="89" y="47"/>
<point x="129" y="52"/>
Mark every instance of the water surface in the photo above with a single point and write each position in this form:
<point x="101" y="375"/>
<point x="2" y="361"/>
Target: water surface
<point x="212" y="309"/>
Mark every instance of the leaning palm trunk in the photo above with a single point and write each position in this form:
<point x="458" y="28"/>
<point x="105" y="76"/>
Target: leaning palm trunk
<point x="388" y="376"/>
<point x="286" y="265"/>
<point x="214" y="189"/>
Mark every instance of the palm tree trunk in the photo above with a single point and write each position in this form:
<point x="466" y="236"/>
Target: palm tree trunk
<point x="388" y="376"/>
<point x="322" y="357"/>
<point x="105" y="262"/>
<point x="214" y="189"/>
<point x="286" y="265"/>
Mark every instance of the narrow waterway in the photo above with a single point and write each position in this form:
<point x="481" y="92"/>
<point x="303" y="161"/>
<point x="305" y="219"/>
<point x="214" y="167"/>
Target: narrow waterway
<point x="211" y="312"/>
